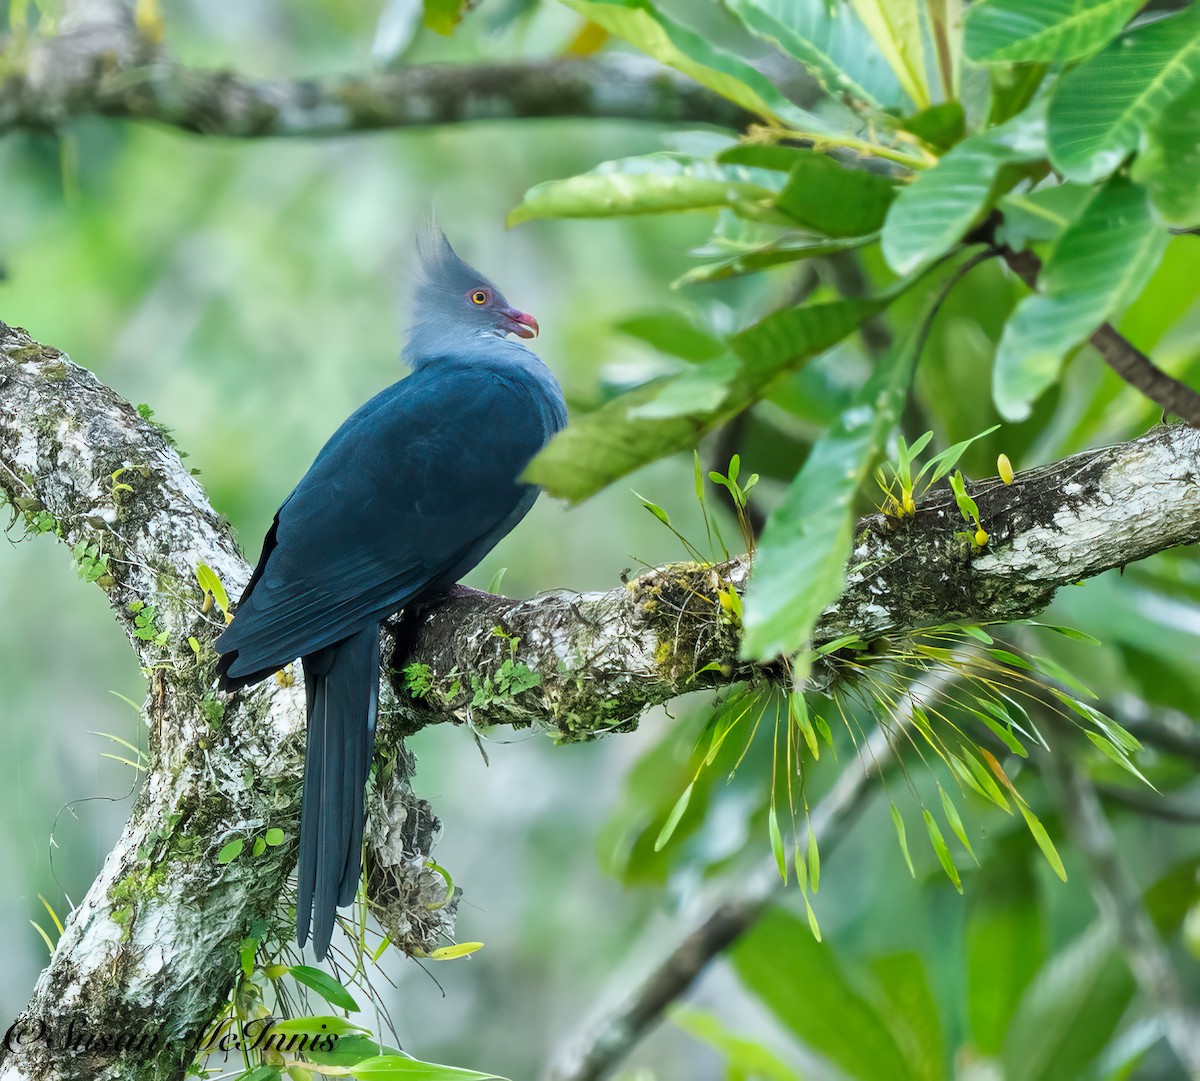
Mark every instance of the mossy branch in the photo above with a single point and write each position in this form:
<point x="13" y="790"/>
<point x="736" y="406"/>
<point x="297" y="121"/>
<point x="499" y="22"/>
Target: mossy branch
<point x="153" y="948"/>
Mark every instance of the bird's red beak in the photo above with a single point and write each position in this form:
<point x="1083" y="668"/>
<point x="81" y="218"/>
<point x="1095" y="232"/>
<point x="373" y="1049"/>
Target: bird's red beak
<point x="522" y="324"/>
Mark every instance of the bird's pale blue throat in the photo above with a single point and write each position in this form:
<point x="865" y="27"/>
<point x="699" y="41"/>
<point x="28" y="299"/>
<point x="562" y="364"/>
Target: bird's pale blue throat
<point x="409" y="494"/>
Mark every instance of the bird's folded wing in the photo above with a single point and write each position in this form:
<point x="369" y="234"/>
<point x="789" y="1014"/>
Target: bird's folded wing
<point x="407" y="489"/>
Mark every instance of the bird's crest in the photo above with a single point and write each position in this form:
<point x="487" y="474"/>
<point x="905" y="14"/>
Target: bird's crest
<point x="442" y="271"/>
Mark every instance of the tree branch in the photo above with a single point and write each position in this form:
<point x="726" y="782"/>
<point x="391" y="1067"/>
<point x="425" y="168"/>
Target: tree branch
<point x="105" y="68"/>
<point x="155" y="945"/>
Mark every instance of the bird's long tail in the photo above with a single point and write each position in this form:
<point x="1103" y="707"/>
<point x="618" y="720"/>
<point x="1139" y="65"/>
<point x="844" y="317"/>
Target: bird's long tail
<point x="342" y="684"/>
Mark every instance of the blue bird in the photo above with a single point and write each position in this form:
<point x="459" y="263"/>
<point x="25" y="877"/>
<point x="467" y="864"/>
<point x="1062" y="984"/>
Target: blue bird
<point x="409" y="494"/>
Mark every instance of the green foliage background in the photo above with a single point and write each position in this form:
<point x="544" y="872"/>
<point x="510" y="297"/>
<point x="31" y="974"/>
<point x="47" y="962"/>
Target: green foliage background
<point x="249" y="293"/>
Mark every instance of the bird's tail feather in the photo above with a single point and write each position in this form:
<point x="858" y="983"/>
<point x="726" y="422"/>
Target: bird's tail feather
<point x="342" y="684"/>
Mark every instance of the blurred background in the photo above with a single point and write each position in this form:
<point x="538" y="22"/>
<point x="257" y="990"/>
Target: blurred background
<point x="253" y="294"/>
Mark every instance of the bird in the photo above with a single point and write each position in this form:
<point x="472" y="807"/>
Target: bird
<point x="409" y="494"/>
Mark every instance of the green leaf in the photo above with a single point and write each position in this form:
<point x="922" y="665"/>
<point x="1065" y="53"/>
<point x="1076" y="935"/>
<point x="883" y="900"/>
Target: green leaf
<point x="913" y="1016"/>
<point x="452" y="953"/>
<point x="210" y="583"/>
<point x="1043" y="840"/>
<point x="1007" y="31"/>
<point x="813" y="860"/>
<point x="681" y="805"/>
<point x="831" y="44"/>
<point x="801" y="558"/>
<point x="896" y="27"/>
<point x="1100" y="264"/>
<point x="1169" y="161"/>
<point x="273" y="837"/>
<point x="672" y="333"/>
<point x="649" y="184"/>
<point x="956" y="823"/>
<point x="834" y="199"/>
<point x="785" y="249"/>
<point x="941" y="126"/>
<point x="1005" y="942"/>
<point x="939" y="846"/>
<point x="934" y="212"/>
<point x="317" y="1025"/>
<point x="1100" y="108"/>
<point x="324" y="985"/>
<point x="1003" y="733"/>
<point x="829" y="1010"/>
<point x="777" y="843"/>
<point x="647" y="29"/>
<point x="400" y="1068"/>
<point x="701" y="389"/>
<point x="898" y="822"/>
<point x="259" y="847"/>
<point x="442" y="16"/>
<point x="230" y="851"/>
<point x="748" y="1057"/>
<point x="350" y="1050"/>
<point x="602" y="446"/>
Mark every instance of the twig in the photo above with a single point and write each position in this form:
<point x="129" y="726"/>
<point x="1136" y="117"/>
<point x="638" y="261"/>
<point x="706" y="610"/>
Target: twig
<point x="1120" y="903"/>
<point x="1120" y="354"/>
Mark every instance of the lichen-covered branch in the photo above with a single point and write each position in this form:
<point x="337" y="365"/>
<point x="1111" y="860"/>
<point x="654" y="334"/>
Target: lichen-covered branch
<point x="154" y="947"/>
<point x="107" y="69"/>
<point x="583" y="665"/>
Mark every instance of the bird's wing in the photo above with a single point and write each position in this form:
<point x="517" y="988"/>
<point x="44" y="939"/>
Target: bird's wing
<point x="416" y="485"/>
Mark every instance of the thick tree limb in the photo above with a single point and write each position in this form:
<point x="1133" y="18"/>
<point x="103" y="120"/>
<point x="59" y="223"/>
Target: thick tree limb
<point x="603" y="658"/>
<point x="107" y="69"/>
<point x="154" y="946"/>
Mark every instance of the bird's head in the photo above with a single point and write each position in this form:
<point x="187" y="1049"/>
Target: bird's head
<point x="454" y="299"/>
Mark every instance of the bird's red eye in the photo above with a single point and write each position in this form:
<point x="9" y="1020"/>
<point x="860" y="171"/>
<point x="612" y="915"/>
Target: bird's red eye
<point x="479" y="296"/>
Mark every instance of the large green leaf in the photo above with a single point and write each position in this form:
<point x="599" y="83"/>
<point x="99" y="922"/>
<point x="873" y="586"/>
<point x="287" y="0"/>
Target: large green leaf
<point x="673" y="333"/>
<point x="626" y="433"/>
<point x="647" y="184"/>
<point x="1071" y="1010"/>
<point x="1004" y="31"/>
<point x="1100" y="108"/>
<point x="1004" y="944"/>
<point x="830" y="42"/>
<point x="934" y="212"/>
<point x="896" y="27"/>
<point x="835" y="199"/>
<point x="800" y="981"/>
<point x="913" y="1017"/>
<point x="1169" y="164"/>
<point x="647" y="29"/>
<point x="800" y="563"/>
<point x="1101" y="262"/>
